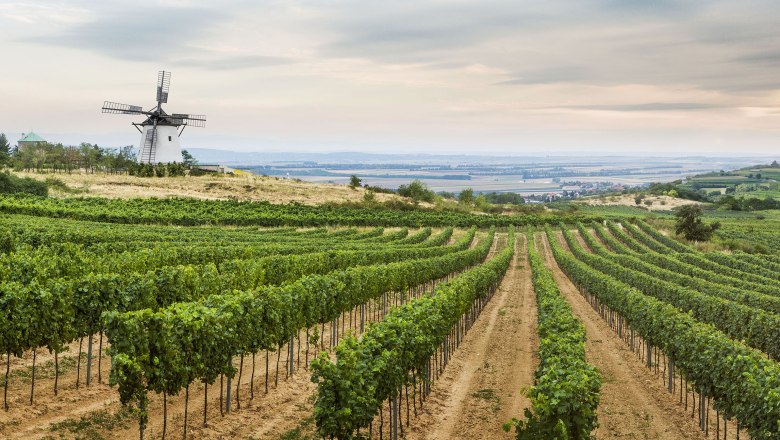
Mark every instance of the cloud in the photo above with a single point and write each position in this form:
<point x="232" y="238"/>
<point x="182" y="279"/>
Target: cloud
<point x="420" y="31"/>
<point x="171" y="35"/>
<point x="764" y="57"/>
<point x="551" y="75"/>
<point x="648" y="107"/>
<point x="42" y="13"/>
<point x="233" y="62"/>
<point x="150" y="33"/>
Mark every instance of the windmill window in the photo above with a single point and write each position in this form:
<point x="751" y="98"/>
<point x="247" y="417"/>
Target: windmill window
<point x="169" y="138"/>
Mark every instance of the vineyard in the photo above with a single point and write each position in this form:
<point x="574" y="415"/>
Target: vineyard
<point x="180" y="318"/>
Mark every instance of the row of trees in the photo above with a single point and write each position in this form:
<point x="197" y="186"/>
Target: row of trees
<point x="45" y="156"/>
<point x="418" y="191"/>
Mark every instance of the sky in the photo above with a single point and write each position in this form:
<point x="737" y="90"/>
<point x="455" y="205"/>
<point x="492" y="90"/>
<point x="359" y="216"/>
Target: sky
<point x="514" y="77"/>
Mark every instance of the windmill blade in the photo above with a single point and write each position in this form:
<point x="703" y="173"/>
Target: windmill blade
<point x="189" y="120"/>
<point x="163" y="84"/>
<point x="122" y="109"/>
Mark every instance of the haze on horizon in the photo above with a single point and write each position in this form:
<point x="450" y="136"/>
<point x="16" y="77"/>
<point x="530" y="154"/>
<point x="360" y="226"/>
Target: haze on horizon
<point x="517" y="77"/>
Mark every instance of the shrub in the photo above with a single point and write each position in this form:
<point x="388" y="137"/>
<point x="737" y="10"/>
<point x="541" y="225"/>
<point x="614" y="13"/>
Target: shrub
<point x="10" y="184"/>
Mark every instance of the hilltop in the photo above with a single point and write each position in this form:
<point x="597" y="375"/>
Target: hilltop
<point x="241" y="186"/>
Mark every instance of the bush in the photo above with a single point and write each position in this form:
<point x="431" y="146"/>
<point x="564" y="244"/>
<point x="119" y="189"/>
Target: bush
<point x="369" y="198"/>
<point x="354" y="181"/>
<point x="379" y="189"/>
<point x="173" y="169"/>
<point x="417" y="191"/>
<point x="10" y="184"/>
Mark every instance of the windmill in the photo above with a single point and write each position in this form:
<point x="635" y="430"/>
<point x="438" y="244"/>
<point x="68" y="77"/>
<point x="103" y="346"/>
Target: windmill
<point x="160" y="131"/>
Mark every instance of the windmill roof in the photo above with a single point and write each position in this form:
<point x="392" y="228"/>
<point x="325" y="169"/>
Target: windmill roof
<point x="31" y="137"/>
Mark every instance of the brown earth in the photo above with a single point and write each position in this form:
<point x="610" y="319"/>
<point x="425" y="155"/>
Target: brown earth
<point x="481" y="386"/>
<point x="597" y="238"/>
<point x="580" y="239"/>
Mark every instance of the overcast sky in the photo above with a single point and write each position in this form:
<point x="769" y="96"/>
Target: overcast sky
<point x="515" y="77"/>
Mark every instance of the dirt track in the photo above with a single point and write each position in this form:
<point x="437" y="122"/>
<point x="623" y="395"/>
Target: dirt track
<point x="480" y="389"/>
<point x="633" y="401"/>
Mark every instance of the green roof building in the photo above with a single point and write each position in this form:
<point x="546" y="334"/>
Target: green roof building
<point x="29" y="140"/>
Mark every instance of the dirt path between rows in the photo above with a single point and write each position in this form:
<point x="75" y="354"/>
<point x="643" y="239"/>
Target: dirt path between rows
<point x="581" y="240"/>
<point x="598" y="238"/>
<point x="633" y="401"/>
<point x="480" y="389"/>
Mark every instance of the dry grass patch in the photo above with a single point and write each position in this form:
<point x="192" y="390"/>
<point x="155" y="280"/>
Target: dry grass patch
<point x="657" y="203"/>
<point x="242" y="186"/>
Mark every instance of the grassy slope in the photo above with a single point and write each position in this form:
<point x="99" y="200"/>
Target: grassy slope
<point x="243" y="186"/>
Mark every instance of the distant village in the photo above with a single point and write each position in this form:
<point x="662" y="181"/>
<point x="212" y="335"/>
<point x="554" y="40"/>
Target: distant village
<point x="576" y="189"/>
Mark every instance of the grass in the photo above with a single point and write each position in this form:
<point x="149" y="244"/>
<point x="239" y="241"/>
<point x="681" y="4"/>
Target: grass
<point x="489" y="395"/>
<point x="304" y="431"/>
<point x="44" y="370"/>
<point x="58" y="185"/>
<point x="485" y="394"/>
<point x="727" y="179"/>
<point x="92" y="425"/>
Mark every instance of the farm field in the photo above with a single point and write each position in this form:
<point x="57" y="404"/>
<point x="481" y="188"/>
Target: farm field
<point x="187" y="318"/>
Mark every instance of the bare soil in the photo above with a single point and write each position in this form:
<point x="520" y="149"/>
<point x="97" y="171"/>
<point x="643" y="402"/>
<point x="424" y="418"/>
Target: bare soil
<point x="633" y="403"/>
<point x="481" y="387"/>
<point x="597" y="238"/>
<point x="580" y="240"/>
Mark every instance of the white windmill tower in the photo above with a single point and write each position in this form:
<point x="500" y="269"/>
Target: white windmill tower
<point x="160" y="131"/>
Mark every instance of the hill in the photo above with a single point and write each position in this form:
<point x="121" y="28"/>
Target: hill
<point x="242" y="186"/>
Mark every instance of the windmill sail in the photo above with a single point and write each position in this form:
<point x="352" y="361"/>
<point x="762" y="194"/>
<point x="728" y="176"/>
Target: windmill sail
<point x="189" y="120"/>
<point x="163" y="84"/>
<point x="122" y="109"/>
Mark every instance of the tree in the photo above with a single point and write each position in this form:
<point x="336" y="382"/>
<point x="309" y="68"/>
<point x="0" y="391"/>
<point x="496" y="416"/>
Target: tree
<point x="638" y="199"/>
<point x="481" y="202"/>
<point x="90" y="156"/>
<point x="466" y="196"/>
<point x="187" y="159"/>
<point x="690" y="225"/>
<point x="354" y="181"/>
<point x="5" y="150"/>
<point x="417" y="191"/>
